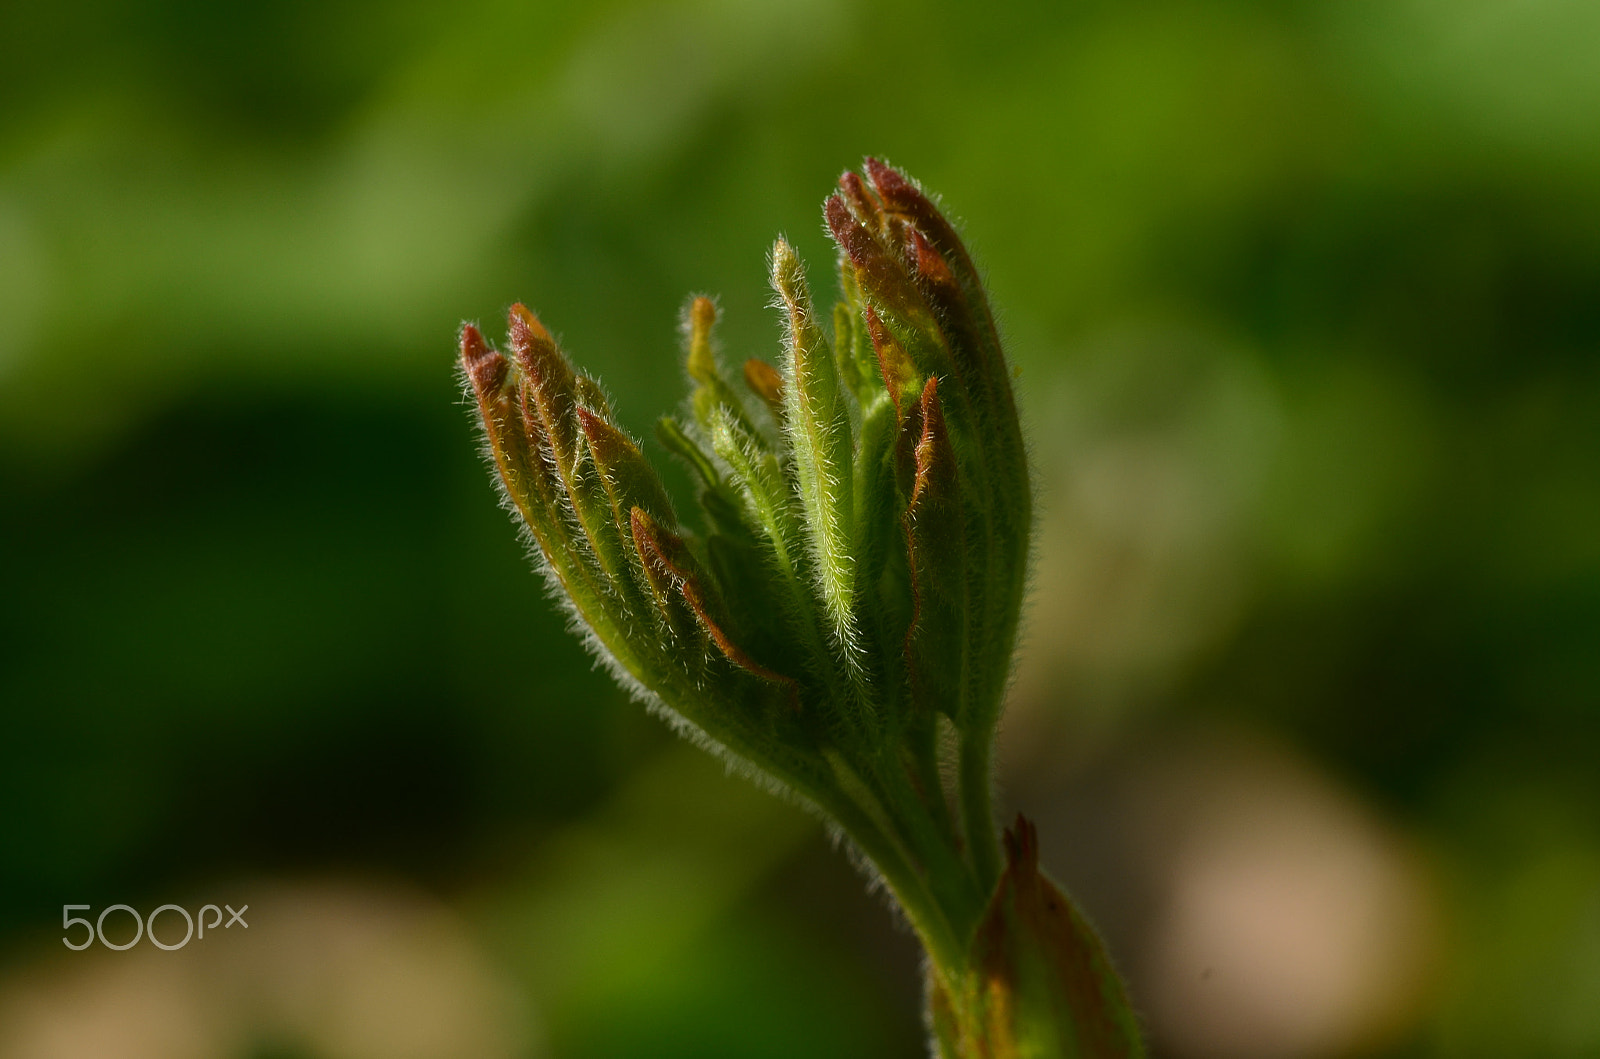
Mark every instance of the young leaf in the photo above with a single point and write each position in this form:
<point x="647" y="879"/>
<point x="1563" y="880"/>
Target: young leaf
<point x="818" y="428"/>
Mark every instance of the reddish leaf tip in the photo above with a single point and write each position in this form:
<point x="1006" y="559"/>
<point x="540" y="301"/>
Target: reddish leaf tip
<point x="931" y="264"/>
<point x="526" y="328"/>
<point x="848" y="231"/>
<point x="542" y="362"/>
<point x="838" y="217"/>
<point x="858" y="199"/>
<point x="887" y="180"/>
<point x="486" y="368"/>
<point x="592" y="425"/>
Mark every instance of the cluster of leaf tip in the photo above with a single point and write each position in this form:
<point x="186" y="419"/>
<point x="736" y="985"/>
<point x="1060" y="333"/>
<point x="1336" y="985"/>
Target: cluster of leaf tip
<point x="843" y="624"/>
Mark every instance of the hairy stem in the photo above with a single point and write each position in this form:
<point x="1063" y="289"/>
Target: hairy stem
<point x="977" y="807"/>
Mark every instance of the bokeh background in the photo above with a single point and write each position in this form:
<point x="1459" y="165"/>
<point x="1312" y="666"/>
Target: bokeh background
<point x="1305" y="299"/>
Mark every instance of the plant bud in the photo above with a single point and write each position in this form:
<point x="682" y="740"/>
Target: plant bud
<point x="1041" y="984"/>
<point x="842" y="623"/>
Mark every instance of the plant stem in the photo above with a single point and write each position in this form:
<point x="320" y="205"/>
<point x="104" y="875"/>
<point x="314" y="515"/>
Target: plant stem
<point x="977" y="810"/>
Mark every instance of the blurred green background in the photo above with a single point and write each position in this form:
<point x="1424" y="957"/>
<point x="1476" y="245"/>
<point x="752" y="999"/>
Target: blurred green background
<point x="1305" y="299"/>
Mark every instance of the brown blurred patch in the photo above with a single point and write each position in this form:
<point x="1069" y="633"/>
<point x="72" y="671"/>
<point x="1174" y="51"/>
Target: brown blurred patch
<point x="1257" y="907"/>
<point x="336" y="969"/>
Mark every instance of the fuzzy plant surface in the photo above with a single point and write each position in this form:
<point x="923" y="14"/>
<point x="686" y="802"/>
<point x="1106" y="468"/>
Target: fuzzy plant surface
<point x="840" y="623"/>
